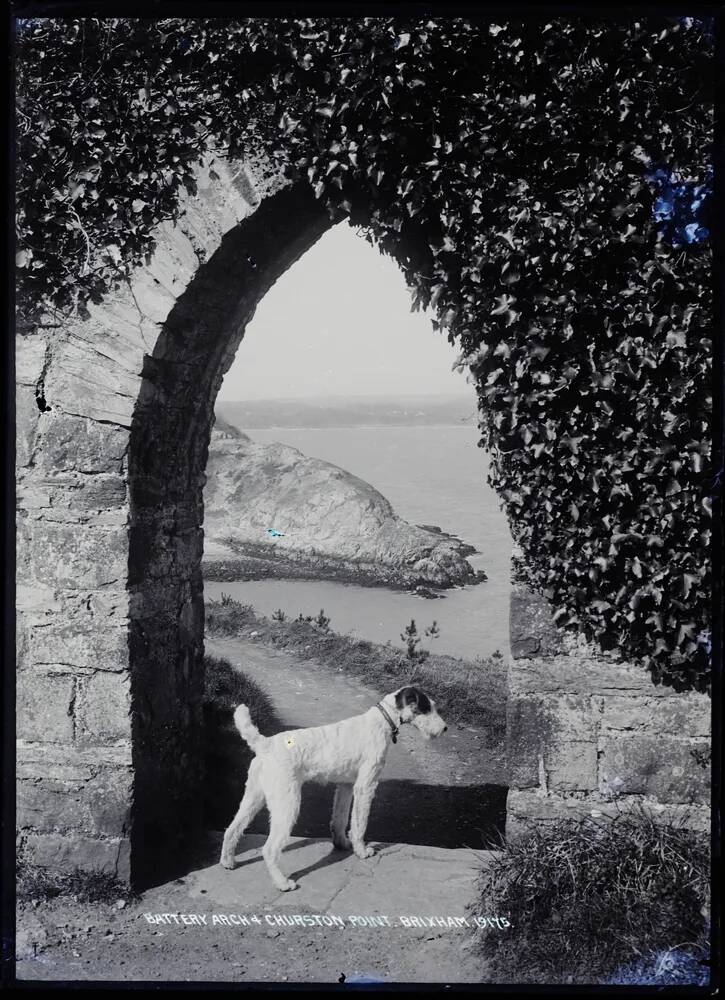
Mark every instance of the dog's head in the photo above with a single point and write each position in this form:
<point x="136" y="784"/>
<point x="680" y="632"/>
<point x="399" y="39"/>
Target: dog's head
<point x="414" y="705"/>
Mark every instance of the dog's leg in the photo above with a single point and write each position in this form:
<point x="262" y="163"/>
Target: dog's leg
<point x="340" y="817"/>
<point x="251" y="803"/>
<point x="364" y="792"/>
<point x="284" y="805"/>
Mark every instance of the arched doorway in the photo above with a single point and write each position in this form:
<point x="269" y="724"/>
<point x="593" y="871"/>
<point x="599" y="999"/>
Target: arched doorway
<point x="168" y="449"/>
<point x="167" y="457"/>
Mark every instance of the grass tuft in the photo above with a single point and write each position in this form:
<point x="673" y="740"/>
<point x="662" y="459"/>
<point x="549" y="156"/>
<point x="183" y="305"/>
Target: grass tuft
<point x="34" y="882"/>
<point x="592" y="900"/>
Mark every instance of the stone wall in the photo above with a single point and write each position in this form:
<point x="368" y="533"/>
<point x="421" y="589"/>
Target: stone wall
<point x="114" y="413"/>
<point x="587" y="734"/>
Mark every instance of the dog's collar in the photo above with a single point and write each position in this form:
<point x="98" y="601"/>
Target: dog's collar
<point x="390" y="722"/>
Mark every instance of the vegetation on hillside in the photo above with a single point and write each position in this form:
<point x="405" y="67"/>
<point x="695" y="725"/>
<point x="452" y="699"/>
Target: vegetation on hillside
<point x="468" y="692"/>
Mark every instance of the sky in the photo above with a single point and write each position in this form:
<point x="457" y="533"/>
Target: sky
<point x="338" y="322"/>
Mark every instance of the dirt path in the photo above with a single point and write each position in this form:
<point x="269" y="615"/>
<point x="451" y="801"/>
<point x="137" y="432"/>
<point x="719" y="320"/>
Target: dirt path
<point x="447" y="792"/>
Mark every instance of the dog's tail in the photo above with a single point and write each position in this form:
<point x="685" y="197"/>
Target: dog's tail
<point x="247" y="730"/>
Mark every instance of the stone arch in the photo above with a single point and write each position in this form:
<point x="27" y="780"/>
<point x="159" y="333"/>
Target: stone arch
<point x="97" y="623"/>
<point x="168" y="450"/>
<point x="115" y="410"/>
<point x="114" y="415"/>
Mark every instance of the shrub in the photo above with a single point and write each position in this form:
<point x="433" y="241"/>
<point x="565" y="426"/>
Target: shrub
<point x="412" y="639"/>
<point x="587" y="897"/>
<point x="226" y="687"/>
<point x="228" y="616"/>
<point x="322" y="621"/>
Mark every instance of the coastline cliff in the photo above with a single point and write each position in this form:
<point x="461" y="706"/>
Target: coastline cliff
<point x="272" y="511"/>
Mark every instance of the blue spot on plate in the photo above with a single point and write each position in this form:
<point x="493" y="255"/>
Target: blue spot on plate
<point x="681" y="208"/>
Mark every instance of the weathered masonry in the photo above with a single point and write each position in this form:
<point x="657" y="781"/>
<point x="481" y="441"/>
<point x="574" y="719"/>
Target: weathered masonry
<point x="589" y="735"/>
<point x="114" y="419"/>
<point x="114" y="415"/>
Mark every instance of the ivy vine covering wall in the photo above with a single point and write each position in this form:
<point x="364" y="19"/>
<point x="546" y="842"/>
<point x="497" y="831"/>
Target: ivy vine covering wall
<point x="544" y="186"/>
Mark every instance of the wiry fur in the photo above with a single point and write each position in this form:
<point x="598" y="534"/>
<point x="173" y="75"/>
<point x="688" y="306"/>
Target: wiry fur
<point x="350" y="753"/>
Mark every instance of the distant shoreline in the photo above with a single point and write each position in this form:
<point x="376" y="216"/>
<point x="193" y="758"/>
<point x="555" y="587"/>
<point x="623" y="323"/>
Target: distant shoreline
<point x="349" y="412"/>
<point x="354" y="427"/>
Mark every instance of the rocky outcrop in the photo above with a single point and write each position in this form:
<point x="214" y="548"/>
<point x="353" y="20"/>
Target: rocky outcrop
<point x="272" y="502"/>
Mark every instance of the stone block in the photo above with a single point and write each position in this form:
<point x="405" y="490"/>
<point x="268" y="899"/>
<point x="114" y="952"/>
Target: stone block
<point x="44" y="706"/>
<point x="90" y="800"/>
<point x="100" y="492"/>
<point x="203" y="227"/>
<point x="112" y="335"/>
<point x="154" y="301"/>
<point x="70" y="762"/>
<point x="30" y="355"/>
<point x="109" y="799"/>
<point x="532" y="631"/>
<point x="50" y="805"/>
<point x="80" y="444"/>
<point x="191" y="620"/>
<point x="81" y="642"/>
<point x="686" y="714"/>
<point x="528" y="735"/>
<point x="65" y="851"/>
<point x="78" y="384"/>
<point x="75" y="498"/>
<point x="36" y="599"/>
<point x="556" y="731"/>
<point x="660" y="767"/>
<point x="107" y="604"/>
<point x="570" y="766"/>
<point x="75" y="556"/>
<point x="22" y="644"/>
<point x="27" y="416"/>
<point x="184" y="261"/>
<point x="103" y="709"/>
<point x="580" y="675"/>
<point x="526" y="810"/>
<point x="167" y="270"/>
<point x="65" y="771"/>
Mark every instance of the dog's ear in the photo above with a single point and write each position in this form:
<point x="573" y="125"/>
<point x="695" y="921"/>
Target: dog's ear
<point x="412" y="697"/>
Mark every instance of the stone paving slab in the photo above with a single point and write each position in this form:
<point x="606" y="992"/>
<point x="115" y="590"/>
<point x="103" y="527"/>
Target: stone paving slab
<point x="399" y="879"/>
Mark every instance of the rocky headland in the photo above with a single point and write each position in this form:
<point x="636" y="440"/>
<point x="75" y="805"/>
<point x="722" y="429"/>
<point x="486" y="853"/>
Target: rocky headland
<point x="272" y="511"/>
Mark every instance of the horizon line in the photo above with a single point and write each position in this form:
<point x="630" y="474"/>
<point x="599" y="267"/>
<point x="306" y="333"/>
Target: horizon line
<point x="346" y="397"/>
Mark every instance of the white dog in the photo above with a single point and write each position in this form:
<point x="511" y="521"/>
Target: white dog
<point x="350" y="753"/>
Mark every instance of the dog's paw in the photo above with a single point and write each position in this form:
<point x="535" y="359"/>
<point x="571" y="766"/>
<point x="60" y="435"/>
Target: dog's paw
<point x="287" y="885"/>
<point x="342" y="843"/>
<point x="228" y="862"/>
<point x="364" y="852"/>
